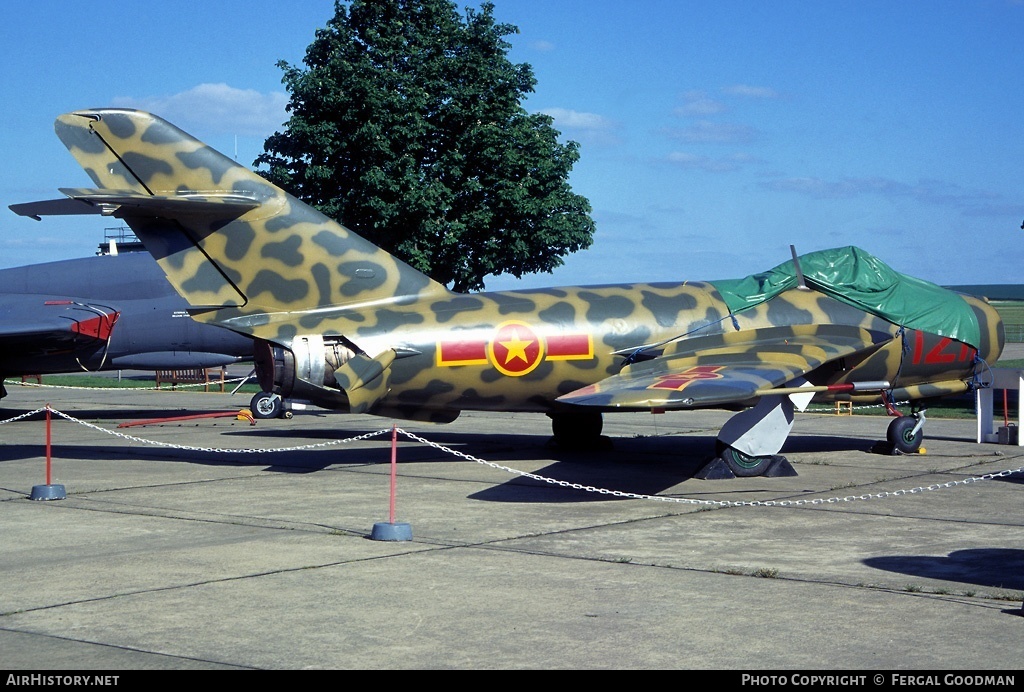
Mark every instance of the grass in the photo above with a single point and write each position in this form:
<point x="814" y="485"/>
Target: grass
<point x="134" y="382"/>
<point x="1012" y="314"/>
<point x="950" y="407"/>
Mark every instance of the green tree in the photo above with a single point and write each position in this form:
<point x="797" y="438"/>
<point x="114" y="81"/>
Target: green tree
<point x="407" y="126"/>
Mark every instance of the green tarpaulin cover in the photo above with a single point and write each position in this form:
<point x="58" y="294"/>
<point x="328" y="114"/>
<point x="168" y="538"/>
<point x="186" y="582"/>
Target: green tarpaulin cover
<point x="858" y="278"/>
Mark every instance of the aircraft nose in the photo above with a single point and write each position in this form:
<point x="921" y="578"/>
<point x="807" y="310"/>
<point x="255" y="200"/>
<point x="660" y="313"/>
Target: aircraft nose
<point x="993" y="336"/>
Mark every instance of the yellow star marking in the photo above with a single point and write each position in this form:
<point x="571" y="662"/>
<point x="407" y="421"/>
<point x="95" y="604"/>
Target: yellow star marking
<point x="516" y="347"/>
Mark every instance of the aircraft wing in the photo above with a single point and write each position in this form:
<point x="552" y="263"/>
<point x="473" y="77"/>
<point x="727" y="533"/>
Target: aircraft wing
<point x="37" y="324"/>
<point x="728" y="373"/>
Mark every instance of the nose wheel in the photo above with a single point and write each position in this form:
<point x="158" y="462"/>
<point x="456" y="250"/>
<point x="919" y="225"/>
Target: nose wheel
<point x="906" y="433"/>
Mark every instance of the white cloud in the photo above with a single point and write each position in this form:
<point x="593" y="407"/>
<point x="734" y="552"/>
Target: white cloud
<point x="217" y="108"/>
<point x="705" y="131"/>
<point x="590" y="126"/>
<point x="747" y="91"/>
<point x="577" y="120"/>
<point x="710" y="165"/>
<point x="698" y="103"/>
<point x="934" y="192"/>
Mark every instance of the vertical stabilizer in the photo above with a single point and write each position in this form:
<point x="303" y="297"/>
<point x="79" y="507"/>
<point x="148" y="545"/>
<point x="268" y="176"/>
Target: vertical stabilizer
<point x="225" y="236"/>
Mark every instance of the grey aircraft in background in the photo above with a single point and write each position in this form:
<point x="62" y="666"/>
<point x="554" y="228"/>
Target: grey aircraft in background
<point x="106" y="312"/>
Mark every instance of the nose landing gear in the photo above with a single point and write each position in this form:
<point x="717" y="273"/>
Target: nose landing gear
<point x="905" y="433"/>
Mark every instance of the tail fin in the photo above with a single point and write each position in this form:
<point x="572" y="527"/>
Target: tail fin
<point x="225" y="237"/>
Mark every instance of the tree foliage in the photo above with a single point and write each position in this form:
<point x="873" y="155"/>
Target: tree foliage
<point x="406" y="125"/>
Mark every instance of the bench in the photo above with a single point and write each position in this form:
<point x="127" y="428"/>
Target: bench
<point x="844" y="408"/>
<point x="191" y="376"/>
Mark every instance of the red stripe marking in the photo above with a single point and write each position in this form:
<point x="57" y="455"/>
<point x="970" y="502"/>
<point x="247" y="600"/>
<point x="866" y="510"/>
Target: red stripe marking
<point x="472" y="352"/>
<point x="570" y="346"/>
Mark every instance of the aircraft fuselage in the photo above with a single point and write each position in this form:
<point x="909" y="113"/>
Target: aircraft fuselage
<point x="521" y="350"/>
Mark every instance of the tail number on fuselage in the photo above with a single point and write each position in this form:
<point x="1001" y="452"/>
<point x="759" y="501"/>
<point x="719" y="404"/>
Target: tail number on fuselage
<point x="940" y="352"/>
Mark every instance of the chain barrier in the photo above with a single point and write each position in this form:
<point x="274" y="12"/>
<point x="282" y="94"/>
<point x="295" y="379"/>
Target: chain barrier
<point x="683" y="500"/>
<point x="218" y="450"/>
<point x="526" y="474"/>
<point x="859" y="407"/>
<point x="24" y="415"/>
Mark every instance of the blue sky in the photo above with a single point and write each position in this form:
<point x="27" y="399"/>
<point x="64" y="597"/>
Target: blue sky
<point x="715" y="134"/>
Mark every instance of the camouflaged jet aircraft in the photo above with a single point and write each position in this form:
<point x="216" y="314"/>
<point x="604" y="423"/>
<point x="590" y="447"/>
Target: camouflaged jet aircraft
<point x="345" y="325"/>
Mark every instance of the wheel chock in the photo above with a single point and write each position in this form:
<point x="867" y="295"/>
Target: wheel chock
<point x="780" y="467"/>
<point x="717" y="469"/>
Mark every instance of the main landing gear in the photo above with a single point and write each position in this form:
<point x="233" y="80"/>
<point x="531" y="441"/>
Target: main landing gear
<point x="745" y="465"/>
<point x="749" y="442"/>
<point x="578" y="430"/>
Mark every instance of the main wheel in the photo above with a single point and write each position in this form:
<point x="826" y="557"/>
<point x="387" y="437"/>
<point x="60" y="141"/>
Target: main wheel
<point x="576" y="428"/>
<point x="901" y="434"/>
<point x="742" y="465"/>
<point x="266" y="405"/>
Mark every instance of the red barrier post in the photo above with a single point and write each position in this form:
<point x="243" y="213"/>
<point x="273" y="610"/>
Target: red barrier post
<point x="48" y="463"/>
<point x="394" y="468"/>
<point x="48" y="491"/>
<point x="391" y="531"/>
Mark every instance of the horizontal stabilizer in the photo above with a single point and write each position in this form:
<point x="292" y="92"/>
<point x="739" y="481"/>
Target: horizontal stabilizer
<point x="54" y="207"/>
<point x="131" y="204"/>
